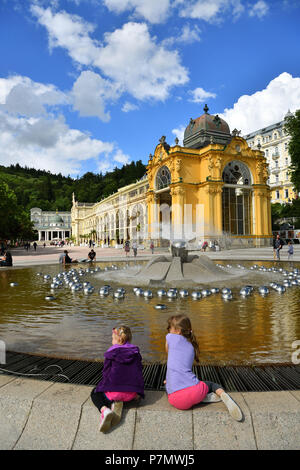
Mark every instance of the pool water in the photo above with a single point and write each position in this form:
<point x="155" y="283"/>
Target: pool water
<point x="255" y="329"/>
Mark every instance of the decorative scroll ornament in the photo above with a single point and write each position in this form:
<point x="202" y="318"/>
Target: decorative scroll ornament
<point x="177" y="192"/>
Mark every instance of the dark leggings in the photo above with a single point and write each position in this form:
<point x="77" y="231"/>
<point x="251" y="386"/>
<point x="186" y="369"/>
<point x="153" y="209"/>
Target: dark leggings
<point x="100" y="399"/>
<point x="212" y="387"/>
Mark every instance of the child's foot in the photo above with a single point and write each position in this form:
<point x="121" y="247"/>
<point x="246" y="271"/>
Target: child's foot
<point x="211" y="398"/>
<point x="116" y="409"/>
<point x="105" y="419"/>
<point x="232" y="407"/>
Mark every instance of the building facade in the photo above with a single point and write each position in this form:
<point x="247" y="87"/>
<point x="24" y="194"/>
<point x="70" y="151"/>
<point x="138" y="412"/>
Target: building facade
<point x="273" y="141"/>
<point x="51" y="225"/>
<point x="213" y="187"/>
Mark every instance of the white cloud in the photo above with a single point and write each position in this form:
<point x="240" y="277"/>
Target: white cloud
<point x="20" y="95"/>
<point x="154" y="11"/>
<point x="70" y="32"/>
<point x="260" y="9"/>
<point x="179" y="133"/>
<point x="211" y="11"/>
<point x="120" y="157"/>
<point x="129" y="56"/>
<point x="144" y="69"/>
<point x="127" y="107"/>
<point x="32" y="137"/>
<point x="187" y="35"/>
<point x="90" y="94"/>
<point x="108" y="163"/>
<point x="199" y="95"/>
<point x="265" y="107"/>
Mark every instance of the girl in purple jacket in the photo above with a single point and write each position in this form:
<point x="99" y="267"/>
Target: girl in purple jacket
<point x="122" y="378"/>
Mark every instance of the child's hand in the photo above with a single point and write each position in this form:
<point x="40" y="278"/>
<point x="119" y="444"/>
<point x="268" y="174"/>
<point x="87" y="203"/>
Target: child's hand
<point x="165" y="382"/>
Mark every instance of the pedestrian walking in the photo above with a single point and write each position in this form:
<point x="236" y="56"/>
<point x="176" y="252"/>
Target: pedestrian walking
<point x="134" y="248"/>
<point x="127" y="247"/>
<point x="278" y="246"/>
<point x="290" y="251"/>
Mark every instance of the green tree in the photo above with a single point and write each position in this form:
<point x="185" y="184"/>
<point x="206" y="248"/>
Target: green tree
<point x="15" y="222"/>
<point x="292" y="127"/>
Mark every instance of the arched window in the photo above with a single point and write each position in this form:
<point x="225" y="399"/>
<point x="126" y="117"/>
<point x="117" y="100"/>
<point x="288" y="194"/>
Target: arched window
<point x="237" y="199"/>
<point x="163" y="178"/>
<point x="236" y="172"/>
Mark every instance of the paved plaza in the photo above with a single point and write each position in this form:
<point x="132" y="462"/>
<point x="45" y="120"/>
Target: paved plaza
<point x="50" y="254"/>
<point x="47" y="415"/>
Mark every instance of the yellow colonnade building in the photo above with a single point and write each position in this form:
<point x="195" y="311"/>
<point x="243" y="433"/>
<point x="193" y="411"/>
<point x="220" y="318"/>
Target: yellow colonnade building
<point x="213" y="188"/>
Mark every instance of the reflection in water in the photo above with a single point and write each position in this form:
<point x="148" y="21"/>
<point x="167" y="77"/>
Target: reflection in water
<point x="245" y="330"/>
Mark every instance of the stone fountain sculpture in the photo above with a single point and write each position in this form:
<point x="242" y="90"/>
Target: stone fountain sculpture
<point x="181" y="268"/>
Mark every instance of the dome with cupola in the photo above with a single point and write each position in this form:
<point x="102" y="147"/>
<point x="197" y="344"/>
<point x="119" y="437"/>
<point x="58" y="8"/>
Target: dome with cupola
<point x="205" y="130"/>
<point x="56" y="221"/>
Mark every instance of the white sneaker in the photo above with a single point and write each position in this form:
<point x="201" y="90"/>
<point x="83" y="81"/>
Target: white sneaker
<point x="105" y="419"/>
<point x="211" y="398"/>
<point x="116" y="409"/>
<point x="232" y="407"/>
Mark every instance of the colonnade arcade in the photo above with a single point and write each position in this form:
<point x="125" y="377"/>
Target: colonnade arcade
<point x="128" y="223"/>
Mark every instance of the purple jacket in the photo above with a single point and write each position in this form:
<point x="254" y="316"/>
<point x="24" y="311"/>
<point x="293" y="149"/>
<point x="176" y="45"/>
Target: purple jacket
<point x="122" y="370"/>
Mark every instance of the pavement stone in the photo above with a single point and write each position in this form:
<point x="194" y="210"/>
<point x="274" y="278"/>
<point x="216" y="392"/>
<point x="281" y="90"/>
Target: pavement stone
<point x="159" y="426"/>
<point x="276" y="419"/>
<point x="54" y="418"/>
<point x="215" y="429"/>
<point x="5" y="379"/>
<point x="16" y="399"/>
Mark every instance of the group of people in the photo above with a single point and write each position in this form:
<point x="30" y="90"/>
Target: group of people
<point x="64" y="258"/>
<point x="277" y="246"/>
<point x="135" y="247"/>
<point x="122" y="378"/>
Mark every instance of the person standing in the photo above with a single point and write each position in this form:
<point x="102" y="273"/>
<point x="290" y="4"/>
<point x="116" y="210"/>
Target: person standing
<point x="34" y="245"/>
<point x="152" y="247"/>
<point x="278" y="246"/>
<point x="274" y="247"/>
<point x="134" y="248"/>
<point x="290" y="251"/>
<point x="127" y="247"/>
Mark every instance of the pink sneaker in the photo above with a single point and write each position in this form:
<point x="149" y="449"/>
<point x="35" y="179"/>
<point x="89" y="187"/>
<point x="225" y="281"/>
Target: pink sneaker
<point x="105" y="419"/>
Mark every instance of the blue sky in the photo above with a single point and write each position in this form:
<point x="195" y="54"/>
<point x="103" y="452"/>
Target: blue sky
<point x="87" y="85"/>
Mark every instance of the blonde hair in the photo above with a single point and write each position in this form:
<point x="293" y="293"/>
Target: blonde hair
<point x="124" y="334"/>
<point x="183" y="324"/>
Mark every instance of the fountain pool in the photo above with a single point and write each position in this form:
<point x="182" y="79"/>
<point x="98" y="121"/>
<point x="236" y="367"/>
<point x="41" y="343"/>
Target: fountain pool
<point x="247" y="329"/>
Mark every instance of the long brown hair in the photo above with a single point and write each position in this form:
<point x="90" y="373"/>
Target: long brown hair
<point x="183" y="324"/>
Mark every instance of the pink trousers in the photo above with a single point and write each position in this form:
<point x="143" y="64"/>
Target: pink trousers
<point x="187" y="397"/>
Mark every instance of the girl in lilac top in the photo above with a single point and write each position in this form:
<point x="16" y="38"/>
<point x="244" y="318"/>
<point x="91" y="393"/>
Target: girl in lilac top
<point x="184" y="389"/>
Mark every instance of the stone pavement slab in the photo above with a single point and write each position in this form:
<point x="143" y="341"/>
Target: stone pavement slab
<point x="214" y="429"/>
<point x="15" y="404"/>
<point x="276" y="420"/>
<point x="159" y="426"/>
<point x="54" y="418"/>
<point x="5" y="379"/>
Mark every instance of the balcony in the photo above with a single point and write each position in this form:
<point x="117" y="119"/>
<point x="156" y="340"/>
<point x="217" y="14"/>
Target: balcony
<point x="275" y="155"/>
<point x="276" y="184"/>
<point x="275" y="170"/>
